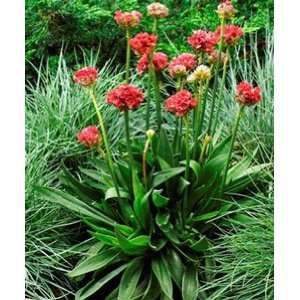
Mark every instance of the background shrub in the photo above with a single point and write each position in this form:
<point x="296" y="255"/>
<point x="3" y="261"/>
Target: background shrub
<point x="78" y="25"/>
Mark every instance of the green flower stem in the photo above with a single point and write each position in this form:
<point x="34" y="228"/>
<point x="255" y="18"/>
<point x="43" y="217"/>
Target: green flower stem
<point x="237" y="121"/>
<point x="187" y="166"/>
<point x="155" y="26"/>
<point x="146" y="148"/>
<point x="105" y="140"/>
<point x="128" y="53"/>
<point x="156" y="92"/>
<point x="216" y="80"/>
<point x="127" y="132"/>
<point x="221" y="92"/>
<point x="199" y="124"/>
<point x="148" y="102"/>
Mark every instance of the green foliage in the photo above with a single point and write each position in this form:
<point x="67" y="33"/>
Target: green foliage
<point x="88" y="24"/>
<point x="153" y="231"/>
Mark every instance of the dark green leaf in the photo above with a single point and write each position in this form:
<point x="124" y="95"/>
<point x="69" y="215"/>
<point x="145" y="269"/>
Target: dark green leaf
<point x="112" y="193"/>
<point x="96" y="262"/>
<point x="176" y="266"/>
<point x="95" y="285"/>
<point x="74" y="204"/>
<point x="190" y="283"/>
<point x="130" y="279"/>
<point x="158" y="199"/>
<point x="165" y="175"/>
<point x="163" y="275"/>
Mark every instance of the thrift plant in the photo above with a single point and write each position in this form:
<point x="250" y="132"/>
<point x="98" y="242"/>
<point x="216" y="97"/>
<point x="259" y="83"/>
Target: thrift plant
<point x="150" y="207"/>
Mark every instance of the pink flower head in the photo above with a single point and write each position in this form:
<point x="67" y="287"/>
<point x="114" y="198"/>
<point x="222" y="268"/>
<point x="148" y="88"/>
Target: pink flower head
<point x="89" y="136"/>
<point x="180" y="103"/>
<point x="127" y="19"/>
<point x="160" y="61"/>
<point x="183" y="63"/>
<point x="125" y="97"/>
<point x="204" y="41"/>
<point x="231" y="34"/>
<point x="226" y="10"/>
<point x="246" y="94"/>
<point x="157" y="10"/>
<point x="143" y="43"/>
<point x="86" y="76"/>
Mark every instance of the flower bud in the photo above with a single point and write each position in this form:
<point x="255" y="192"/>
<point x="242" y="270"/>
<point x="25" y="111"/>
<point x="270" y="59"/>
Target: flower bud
<point x="127" y="19"/>
<point x="202" y="73"/>
<point x="177" y="71"/>
<point x="157" y="10"/>
<point x="226" y="10"/>
<point x="215" y="56"/>
<point x="150" y="133"/>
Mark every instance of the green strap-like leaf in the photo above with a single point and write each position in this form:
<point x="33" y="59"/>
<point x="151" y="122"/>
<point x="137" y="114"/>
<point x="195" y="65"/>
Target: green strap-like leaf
<point x="190" y="283"/>
<point x="163" y="275"/>
<point x="175" y="266"/>
<point x="158" y="199"/>
<point x="130" y="279"/>
<point x="112" y="193"/>
<point x="95" y="285"/>
<point x="165" y="175"/>
<point x="74" y="204"/>
<point x="135" y="246"/>
<point x="96" y="262"/>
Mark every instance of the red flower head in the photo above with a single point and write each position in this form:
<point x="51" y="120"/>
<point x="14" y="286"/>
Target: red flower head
<point x="86" y="76"/>
<point x="160" y="61"/>
<point x="125" y="97"/>
<point x="181" y="64"/>
<point x="232" y="34"/>
<point x="202" y="40"/>
<point x="143" y="43"/>
<point x="226" y="10"/>
<point x="180" y="103"/>
<point x="246" y="94"/>
<point x="128" y="19"/>
<point x="89" y="136"/>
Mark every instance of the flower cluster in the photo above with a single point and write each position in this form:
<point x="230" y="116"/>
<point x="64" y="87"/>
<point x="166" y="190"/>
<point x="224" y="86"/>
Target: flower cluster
<point x="246" y="94"/>
<point x="203" y="41"/>
<point x="216" y="55"/>
<point x="89" y="136"/>
<point x="86" y="76"/>
<point x="128" y="19"/>
<point x="231" y="34"/>
<point x="183" y="63"/>
<point x="143" y="43"/>
<point x="157" y="10"/>
<point x="160" y="61"/>
<point x="226" y="10"/>
<point x="125" y="97"/>
<point x="180" y="103"/>
<point x="201" y="73"/>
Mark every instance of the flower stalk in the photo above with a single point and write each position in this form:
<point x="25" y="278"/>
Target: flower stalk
<point x="187" y="166"/>
<point x="127" y="133"/>
<point x="235" y="128"/>
<point x="105" y="140"/>
<point x="128" y="54"/>
<point x="217" y="67"/>
<point x="152" y="74"/>
<point x="225" y="65"/>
